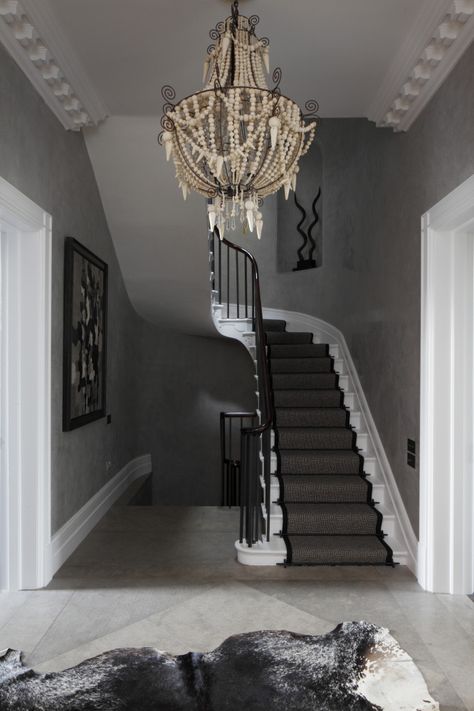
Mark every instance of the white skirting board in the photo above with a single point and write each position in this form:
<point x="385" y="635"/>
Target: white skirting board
<point x="65" y="541"/>
<point x="325" y="332"/>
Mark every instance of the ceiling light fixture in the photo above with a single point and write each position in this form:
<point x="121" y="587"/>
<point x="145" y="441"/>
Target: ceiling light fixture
<point x="236" y="141"/>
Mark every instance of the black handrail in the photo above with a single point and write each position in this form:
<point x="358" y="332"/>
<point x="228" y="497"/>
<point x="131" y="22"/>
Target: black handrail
<point x="250" y="497"/>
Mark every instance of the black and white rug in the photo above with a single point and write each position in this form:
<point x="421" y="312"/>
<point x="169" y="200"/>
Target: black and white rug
<point x="357" y="666"/>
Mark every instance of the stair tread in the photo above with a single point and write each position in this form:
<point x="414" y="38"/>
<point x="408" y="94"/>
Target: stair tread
<point x="311" y="417"/>
<point x="299" y="350"/>
<point x="316" y="438"/>
<point x="284" y="337"/>
<point x="272" y="324"/>
<point x="342" y="550"/>
<point x="324" y="488"/>
<point x="330" y="461"/>
<point x="305" y="381"/>
<point x="330" y="518"/>
<point x="319" y="364"/>
<point x="292" y="397"/>
<point x="314" y="429"/>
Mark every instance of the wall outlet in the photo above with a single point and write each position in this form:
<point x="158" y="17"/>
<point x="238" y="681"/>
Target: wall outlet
<point x="108" y="465"/>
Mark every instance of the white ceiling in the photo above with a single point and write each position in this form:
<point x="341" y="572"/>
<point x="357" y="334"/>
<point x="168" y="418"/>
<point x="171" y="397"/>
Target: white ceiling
<point x="159" y="238"/>
<point x="337" y="51"/>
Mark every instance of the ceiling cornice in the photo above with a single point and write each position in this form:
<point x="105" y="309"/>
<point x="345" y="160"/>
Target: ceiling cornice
<point x="441" y="34"/>
<point x="33" y="38"/>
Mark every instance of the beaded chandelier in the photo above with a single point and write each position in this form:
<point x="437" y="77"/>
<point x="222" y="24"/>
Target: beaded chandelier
<point x="236" y="141"/>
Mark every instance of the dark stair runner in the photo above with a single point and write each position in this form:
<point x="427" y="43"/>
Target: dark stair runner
<point x="328" y="512"/>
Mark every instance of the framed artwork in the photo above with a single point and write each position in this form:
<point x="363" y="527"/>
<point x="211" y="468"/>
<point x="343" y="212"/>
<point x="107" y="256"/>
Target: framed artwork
<point x="85" y="336"/>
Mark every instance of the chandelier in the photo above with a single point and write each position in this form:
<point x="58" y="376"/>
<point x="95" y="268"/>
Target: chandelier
<point x="237" y="140"/>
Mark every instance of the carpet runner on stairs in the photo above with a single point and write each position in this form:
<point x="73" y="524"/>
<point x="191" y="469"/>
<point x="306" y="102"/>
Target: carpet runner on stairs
<point x="328" y="513"/>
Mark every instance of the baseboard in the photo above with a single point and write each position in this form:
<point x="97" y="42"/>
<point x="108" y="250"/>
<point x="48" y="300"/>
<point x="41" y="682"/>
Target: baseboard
<point x="65" y="541"/>
<point x="334" y="336"/>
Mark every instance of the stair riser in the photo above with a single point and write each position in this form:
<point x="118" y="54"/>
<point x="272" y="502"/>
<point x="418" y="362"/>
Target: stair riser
<point x="378" y="492"/>
<point x="329" y="417"/>
<point x="301" y="365"/>
<point x="346" y="528"/>
<point x="305" y="381"/>
<point x="370" y="466"/>
<point x="321" y="440"/>
<point x="306" y="398"/>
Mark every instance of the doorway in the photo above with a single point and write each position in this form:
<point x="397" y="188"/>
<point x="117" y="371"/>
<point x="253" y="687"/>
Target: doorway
<point x="25" y="391"/>
<point x="446" y="548"/>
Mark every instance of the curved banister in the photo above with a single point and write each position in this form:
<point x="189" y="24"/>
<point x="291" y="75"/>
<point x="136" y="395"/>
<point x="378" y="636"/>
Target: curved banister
<point x="259" y="319"/>
<point x="255" y="439"/>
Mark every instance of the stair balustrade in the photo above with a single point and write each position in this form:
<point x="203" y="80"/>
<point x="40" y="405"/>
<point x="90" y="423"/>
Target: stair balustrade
<point x="235" y="282"/>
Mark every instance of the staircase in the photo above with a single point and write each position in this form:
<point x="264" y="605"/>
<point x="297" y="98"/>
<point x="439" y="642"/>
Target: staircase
<point x="319" y="488"/>
<point x="325" y="496"/>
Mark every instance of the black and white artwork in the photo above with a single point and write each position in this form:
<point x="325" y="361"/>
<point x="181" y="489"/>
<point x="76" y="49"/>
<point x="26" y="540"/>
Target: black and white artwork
<point x="85" y="335"/>
<point x="357" y="667"/>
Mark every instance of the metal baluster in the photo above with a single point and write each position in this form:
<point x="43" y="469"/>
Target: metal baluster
<point x="228" y="282"/>
<point x="256" y="488"/>
<point x="237" y="282"/>
<point x="266" y="444"/>
<point x="223" y="457"/>
<point x="253" y="298"/>
<point x="246" y="263"/>
<point x="219" y="254"/>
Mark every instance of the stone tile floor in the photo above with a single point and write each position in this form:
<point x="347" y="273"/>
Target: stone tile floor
<point x="167" y="577"/>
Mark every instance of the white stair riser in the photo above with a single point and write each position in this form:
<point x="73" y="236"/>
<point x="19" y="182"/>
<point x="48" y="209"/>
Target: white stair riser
<point x="355" y="419"/>
<point x="339" y="366"/>
<point x="350" y="401"/>
<point x="363" y="442"/>
<point x="344" y="382"/>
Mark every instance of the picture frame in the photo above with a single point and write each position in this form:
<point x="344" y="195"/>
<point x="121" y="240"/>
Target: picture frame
<point x="85" y="336"/>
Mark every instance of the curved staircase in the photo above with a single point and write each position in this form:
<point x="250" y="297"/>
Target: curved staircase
<point x="315" y="482"/>
<point x="328" y="514"/>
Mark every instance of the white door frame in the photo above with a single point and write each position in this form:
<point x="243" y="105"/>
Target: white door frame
<point x="25" y="465"/>
<point x="446" y="547"/>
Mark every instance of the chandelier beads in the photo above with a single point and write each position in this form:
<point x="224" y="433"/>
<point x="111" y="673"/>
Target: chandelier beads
<point x="236" y="141"/>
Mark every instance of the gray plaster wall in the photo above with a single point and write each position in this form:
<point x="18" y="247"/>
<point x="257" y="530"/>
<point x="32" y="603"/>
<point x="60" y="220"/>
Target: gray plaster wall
<point x="51" y="166"/>
<point x="186" y="382"/>
<point x="376" y="186"/>
<point x="164" y="391"/>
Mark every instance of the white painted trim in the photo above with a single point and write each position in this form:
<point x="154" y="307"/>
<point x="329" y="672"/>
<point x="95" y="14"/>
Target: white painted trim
<point x="434" y="45"/>
<point x="42" y="16"/>
<point x="65" y="541"/>
<point x="30" y="33"/>
<point x="25" y="476"/>
<point x="446" y="548"/>
<point x="332" y="335"/>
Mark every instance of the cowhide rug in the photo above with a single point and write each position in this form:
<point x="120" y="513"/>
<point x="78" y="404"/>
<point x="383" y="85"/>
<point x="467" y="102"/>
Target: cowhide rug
<point x="356" y="667"/>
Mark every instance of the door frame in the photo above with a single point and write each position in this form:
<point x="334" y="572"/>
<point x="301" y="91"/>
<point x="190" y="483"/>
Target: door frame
<point x="25" y="391"/>
<point x="446" y="546"/>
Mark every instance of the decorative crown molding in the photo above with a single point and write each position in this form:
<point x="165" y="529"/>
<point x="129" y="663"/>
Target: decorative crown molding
<point x="441" y="34"/>
<point x="31" y="35"/>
